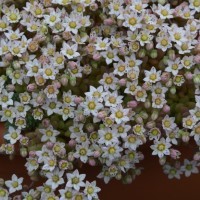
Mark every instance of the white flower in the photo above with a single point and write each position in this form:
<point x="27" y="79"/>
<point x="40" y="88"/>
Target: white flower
<point x="12" y="14"/>
<point x="82" y="152"/>
<point x="174" y="66"/>
<point x="6" y="98"/>
<point x="55" y="178"/>
<point x="72" y="22"/>
<point x="107" y="136"/>
<point x="3" y="194"/>
<point x="96" y="93"/>
<point x="132" y="21"/>
<point x="8" y="114"/>
<point x="13" y="135"/>
<point x="91" y="190"/>
<point x="91" y="106"/>
<point x="196" y="132"/>
<point x="131" y="142"/>
<point x="164" y="12"/>
<point x="120" y="68"/>
<point x="75" y="180"/>
<point x="49" y="72"/>
<point x="194" y="4"/>
<point x="70" y="51"/>
<point x="49" y="134"/>
<point x="102" y="44"/>
<point x="110" y="55"/>
<point x="152" y="76"/>
<point x="168" y="123"/>
<point x="161" y="147"/>
<point x="189" y="167"/>
<point x="113" y="99"/>
<point x="51" y="106"/>
<point x="15" y="184"/>
<point x="108" y="81"/>
<point x="172" y="172"/>
<point x="163" y="42"/>
<point x="119" y="114"/>
<point x="31" y="164"/>
<point x="53" y="17"/>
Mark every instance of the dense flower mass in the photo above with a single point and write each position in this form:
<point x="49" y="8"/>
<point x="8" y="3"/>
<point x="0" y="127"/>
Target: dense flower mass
<point x="92" y="81"/>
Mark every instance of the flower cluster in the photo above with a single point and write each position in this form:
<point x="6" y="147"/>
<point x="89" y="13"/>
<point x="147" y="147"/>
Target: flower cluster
<point x="91" y="81"/>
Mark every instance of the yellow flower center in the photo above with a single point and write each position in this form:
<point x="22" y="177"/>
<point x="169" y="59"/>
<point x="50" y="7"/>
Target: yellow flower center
<point x="4" y="98"/>
<point x="153" y="77"/>
<point x="35" y="69"/>
<point x="164" y="42"/>
<point x="14" y="135"/>
<point x="53" y="18"/>
<point x="59" y="60"/>
<point x="109" y="80"/>
<point x="119" y="114"/>
<point x="196" y="3"/>
<point x="161" y="147"/>
<point x="15" y="184"/>
<point x="108" y="136"/>
<point x="48" y="72"/>
<point x="90" y="190"/>
<point x="70" y="52"/>
<point x="3" y="25"/>
<point x="132" y="139"/>
<point x="16" y="50"/>
<point x="91" y="105"/>
<point x="72" y="24"/>
<point x="82" y="152"/>
<point x="144" y="37"/>
<point x="132" y="21"/>
<point x="75" y="180"/>
<point x="164" y="12"/>
<point x="13" y="17"/>
<point x="158" y="101"/>
<point x="38" y="11"/>
<point x="111" y="150"/>
<point x="167" y="123"/>
<point x="49" y="133"/>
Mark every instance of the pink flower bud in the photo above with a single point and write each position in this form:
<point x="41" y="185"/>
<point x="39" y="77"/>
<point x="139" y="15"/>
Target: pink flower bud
<point x="165" y="76"/>
<point x="32" y="154"/>
<point x="9" y="57"/>
<point x="96" y="154"/>
<point x="57" y="84"/>
<point x="57" y="39"/>
<point x="196" y="156"/>
<point x="188" y="75"/>
<point x="93" y="6"/>
<point x="97" y="56"/>
<point x="122" y="82"/>
<point x="40" y="99"/>
<point x="92" y="162"/>
<point x="102" y="115"/>
<point x="132" y="104"/>
<point x="149" y="46"/>
<point x="175" y="154"/>
<point x="185" y="138"/>
<point x="197" y="59"/>
<point x="150" y="124"/>
<point x="70" y="157"/>
<point x="72" y="65"/>
<point x="64" y="80"/>
<point x="45" y="123"/>
<point x="49" y="145"/>
<point x="108" y="21"/>
<point x="31" y="87"/>
<point x="10" y="88"/>
<point x="166" y="108"/>
<point x="78" y="100"/>
<point x="72" y="143"/>
<point x="162" y="160"/>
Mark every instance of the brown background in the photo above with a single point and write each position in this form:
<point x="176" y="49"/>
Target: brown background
<point x="151" y="184"/>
